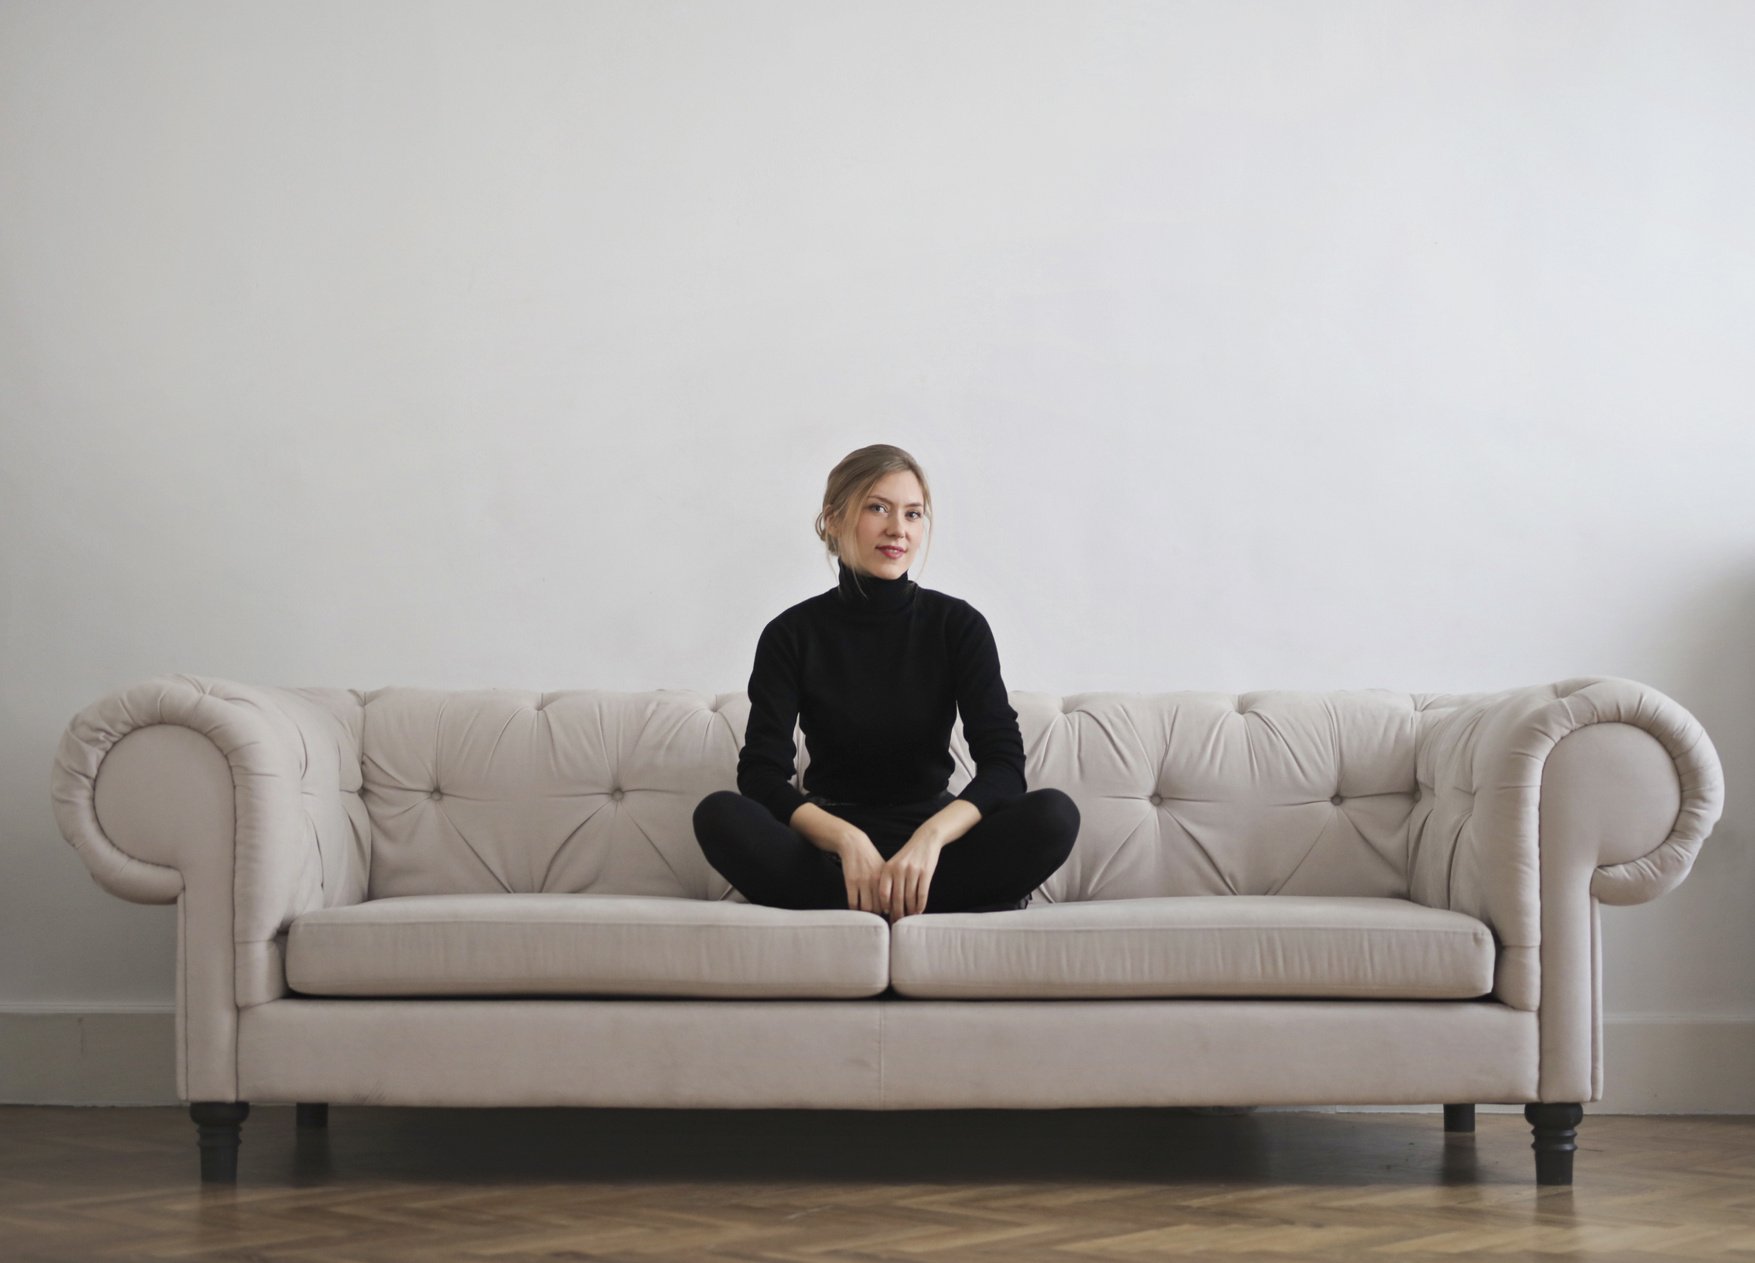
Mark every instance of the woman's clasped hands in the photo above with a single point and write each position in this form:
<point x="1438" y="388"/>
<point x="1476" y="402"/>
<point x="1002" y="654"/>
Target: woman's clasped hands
<point x="893" y="888"/>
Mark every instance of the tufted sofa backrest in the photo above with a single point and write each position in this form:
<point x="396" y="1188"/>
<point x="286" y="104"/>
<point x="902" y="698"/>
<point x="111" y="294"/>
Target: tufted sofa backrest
<point x="1271" y="792"/>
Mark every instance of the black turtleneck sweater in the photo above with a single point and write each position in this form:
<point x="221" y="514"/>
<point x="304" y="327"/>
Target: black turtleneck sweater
<point x="874" y="679"/>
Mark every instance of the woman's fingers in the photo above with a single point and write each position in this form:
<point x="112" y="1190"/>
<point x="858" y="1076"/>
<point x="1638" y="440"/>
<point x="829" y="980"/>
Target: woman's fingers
<point x="872" y="901"/>
<point x="907" y="893"/>
<point x="889" y="892"/>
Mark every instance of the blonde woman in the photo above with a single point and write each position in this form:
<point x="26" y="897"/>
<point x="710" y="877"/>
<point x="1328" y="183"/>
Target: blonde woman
<point x="874" y="671"/>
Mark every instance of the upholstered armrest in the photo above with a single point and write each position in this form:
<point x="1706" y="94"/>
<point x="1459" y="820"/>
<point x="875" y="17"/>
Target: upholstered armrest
<point x="1538" y="802"/>
<point x="1476" y="846"/>
<point x="241" y="803"/>
<point x="297" y="827"/>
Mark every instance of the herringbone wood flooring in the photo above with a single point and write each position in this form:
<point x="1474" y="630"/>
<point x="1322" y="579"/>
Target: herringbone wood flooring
<point x="382" y="1184"/>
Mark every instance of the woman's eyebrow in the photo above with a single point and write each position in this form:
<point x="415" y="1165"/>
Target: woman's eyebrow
<point x="915" y="505"/>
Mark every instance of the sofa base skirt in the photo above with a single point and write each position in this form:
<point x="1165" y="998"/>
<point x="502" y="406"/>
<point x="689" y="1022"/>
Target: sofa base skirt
<point x="885" y="1053"/>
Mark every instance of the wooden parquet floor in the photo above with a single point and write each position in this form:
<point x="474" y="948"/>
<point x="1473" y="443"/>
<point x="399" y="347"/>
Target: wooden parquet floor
<point x="382" y="1185"/>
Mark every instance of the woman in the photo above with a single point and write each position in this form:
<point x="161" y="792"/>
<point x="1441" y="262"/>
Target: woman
<point x="874" y="671"/>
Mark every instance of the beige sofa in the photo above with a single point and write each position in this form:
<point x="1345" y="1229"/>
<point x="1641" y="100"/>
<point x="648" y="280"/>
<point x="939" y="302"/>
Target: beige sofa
<point x="406" y="896"/>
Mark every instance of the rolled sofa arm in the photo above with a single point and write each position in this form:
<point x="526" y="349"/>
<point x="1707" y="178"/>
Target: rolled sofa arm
<point x="241" y="801"/>
<point x="295" y="768"/>
<point x="1536" y="803"/>
<point x="1476" y="847"/>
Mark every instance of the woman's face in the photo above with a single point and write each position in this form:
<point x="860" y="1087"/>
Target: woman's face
<point x="893" y="516"/>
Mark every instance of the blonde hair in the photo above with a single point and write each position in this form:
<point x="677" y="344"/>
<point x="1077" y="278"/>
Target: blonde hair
<point x="850" y="483"/>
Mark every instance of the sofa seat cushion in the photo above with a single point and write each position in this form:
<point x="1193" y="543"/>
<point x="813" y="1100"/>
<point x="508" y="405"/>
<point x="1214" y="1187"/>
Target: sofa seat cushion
<point x="1197" y="945"/>
<point x="584" y="944"/>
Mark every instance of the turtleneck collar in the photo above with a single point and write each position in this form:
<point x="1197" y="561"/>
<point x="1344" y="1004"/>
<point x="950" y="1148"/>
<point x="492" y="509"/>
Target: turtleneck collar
<point x="881" y="597"/>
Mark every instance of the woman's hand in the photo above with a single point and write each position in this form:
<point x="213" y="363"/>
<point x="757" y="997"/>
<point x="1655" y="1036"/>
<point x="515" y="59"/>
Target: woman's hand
<point x="896" y="888"/>
<point x="861" y="866"/>
<point x="893" y="889"/>
<point x="904" y="881"/>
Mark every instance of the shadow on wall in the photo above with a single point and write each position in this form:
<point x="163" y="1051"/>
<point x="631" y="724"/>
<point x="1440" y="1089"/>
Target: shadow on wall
<point x="1712" y="641"/>
<point x="1690" y="952"/>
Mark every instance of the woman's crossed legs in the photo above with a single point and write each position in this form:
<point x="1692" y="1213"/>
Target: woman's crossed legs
<point x="1005" y="856"/>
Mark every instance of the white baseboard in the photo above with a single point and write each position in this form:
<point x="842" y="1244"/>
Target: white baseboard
<point x="50" y="1054"/>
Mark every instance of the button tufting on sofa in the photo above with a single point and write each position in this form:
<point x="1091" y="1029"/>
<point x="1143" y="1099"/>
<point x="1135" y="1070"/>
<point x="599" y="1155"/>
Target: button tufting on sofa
<point x="1157" y="800"/>
<point x="1336" y="799"/>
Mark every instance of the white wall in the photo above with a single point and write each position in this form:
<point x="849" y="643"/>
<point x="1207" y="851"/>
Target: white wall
<point x="1247" y="346"/>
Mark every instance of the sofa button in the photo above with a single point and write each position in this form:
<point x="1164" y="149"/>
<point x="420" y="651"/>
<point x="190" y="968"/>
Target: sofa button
<point x="615" y="793"/>
<point x="1335" y="799"/>
<point x="1157" y="800"/>
<point x="435" y="794"/>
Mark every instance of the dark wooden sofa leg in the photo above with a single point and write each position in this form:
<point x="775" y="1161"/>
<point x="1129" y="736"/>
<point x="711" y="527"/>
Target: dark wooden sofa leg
<point x="1556" y="1128"/>
<point x="313" y="1114"/>
<point x="218" y="1124"/>
<point x="1459" y="1118"/>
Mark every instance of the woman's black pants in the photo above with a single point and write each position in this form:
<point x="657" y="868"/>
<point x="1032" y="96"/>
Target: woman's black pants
<point x="1007" y="854"/>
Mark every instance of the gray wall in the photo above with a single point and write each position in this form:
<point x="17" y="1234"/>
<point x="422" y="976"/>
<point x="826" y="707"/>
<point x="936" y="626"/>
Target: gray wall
<point x="1247" y="346"/>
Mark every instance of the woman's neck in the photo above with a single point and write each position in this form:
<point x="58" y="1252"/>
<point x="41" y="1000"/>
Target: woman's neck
<point x="873" y="597"/>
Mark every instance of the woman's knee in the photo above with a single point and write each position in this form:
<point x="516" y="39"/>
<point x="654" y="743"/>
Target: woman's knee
<point x="1059" y="813"/>
<point x="716" y="802"/>
<point x="1057" y="805"/>
<point x="713" y="813"/>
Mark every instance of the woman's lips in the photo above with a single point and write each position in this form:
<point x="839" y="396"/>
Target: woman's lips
<point x="892" y="553"/>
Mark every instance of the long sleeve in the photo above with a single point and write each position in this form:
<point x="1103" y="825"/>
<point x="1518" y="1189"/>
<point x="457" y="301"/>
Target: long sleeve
<point x="768" y="761"/>
<point x="990" y="725"/>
